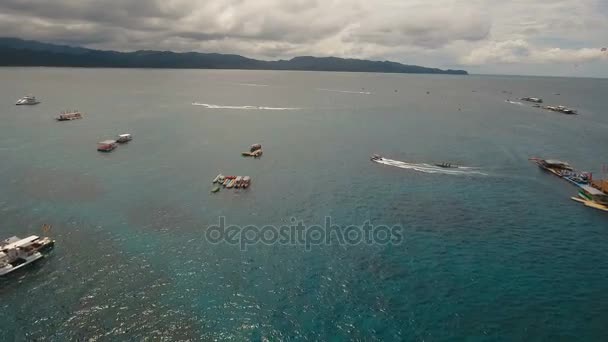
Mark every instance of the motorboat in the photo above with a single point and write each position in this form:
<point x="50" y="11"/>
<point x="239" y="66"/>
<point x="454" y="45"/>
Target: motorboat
<point x="447" y="166"/>
<point x="27" y="100"/>
<point x="532" y="99"/>
<point x="376" y="157"/>
<point x="106" y="145"/>
<point x="124" y="138"/>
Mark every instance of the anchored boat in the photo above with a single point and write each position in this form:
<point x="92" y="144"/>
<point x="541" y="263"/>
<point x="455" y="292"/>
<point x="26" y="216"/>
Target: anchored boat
<point x="106" y="145"/>
<point x="69" y="116"/>
<point x="27" y="100"/>
<point x="124" y="138"/>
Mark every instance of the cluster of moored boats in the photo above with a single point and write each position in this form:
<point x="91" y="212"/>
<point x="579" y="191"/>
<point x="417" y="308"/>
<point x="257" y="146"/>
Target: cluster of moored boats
<point x="230" y="182"/>
<point x="592" y="193"/>
<point x="559" y="109"/>
<point x="16" y="253"/>
<point x="69" y="115"/>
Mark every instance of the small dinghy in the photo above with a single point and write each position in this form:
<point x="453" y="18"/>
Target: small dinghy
<point x="215" y="189"/>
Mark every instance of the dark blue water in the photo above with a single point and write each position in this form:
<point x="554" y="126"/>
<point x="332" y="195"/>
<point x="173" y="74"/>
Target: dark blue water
<point x="501" y="256"/>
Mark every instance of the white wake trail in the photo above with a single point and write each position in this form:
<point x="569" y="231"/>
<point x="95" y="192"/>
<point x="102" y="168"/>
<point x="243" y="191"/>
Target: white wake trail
<point x="428" y="168"/>
<point x="213" y="106"/>
<point x="346" y="91"/>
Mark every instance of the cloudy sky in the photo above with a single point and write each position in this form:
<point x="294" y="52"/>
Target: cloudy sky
<point x="546" y="37"/>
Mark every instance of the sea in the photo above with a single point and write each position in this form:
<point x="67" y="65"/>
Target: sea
<point x="493" y="251"/>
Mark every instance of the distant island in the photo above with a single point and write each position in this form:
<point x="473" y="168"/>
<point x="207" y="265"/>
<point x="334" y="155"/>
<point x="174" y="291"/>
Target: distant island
<point x="19" y="52"/>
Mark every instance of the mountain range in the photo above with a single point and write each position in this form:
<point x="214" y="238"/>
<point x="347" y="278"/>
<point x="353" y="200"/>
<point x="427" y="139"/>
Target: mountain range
<point x="19" y="52"/>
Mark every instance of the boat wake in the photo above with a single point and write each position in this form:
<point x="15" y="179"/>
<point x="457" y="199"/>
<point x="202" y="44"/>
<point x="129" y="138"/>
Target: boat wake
<point x="345" y="91"/>
<point x="212" y="106"/>
<point x="428" y="168"/>
<point x="252" y="85"/>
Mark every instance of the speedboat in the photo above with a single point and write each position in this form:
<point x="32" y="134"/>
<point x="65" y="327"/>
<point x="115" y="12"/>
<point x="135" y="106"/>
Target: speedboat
<point x="447" y="166"/>
<point x="27" y="100"/>
<point x="532" y="99"/>
<point x="376" y="157"/>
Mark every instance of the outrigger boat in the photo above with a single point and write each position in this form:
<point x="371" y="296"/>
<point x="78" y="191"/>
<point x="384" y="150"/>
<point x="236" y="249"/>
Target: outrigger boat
<point x="592" y="197"/>
<point x="217" y="178"/>
<point x="16" y="253"/>
<point x="557" y="167"/>
<point x="246" y="182"/>
<point x="69" y="116"/>
<point x="532" y="99"/>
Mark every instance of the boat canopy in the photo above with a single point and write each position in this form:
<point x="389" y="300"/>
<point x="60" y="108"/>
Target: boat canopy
<point x="21" y="242"/>
<point x="107" y="142"/>
<point x="555" y="162"/>
<point x="592" y="191"/>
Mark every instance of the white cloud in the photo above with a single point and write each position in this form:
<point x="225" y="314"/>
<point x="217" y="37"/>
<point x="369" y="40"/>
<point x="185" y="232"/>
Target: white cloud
<point x="520" y="51"/>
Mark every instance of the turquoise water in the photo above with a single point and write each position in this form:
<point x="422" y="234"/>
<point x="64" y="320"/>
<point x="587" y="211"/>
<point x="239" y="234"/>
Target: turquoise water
<point x="501" y="256"/>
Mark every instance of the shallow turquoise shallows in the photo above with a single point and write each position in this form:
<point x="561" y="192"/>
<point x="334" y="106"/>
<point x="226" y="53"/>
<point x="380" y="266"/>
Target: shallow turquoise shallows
<point x="501" y="253"/>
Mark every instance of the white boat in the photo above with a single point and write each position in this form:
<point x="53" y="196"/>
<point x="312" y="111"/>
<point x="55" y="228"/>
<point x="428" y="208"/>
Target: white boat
<point x="16" y="253"/>
<point x="237" y="183"/>
<point x="217" y="178"/>
<point x="123" y="138"/>
<point x="27" y="100"/>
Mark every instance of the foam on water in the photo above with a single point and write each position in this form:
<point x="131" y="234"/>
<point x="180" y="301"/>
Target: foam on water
<point x="428" y="168"/>
<point x="213" y="106"/>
